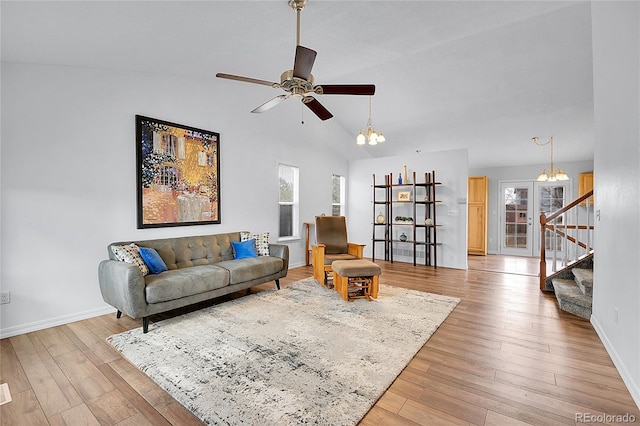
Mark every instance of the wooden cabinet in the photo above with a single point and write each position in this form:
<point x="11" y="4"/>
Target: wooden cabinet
<point x="585" y="184"/>
<point x="478" y="194"/>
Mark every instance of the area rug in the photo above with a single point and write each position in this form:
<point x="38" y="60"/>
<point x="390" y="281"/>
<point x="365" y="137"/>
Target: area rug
<point x="300" y="355"/>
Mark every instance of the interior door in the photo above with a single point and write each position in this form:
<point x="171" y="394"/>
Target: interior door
<point x="516" y="218"/>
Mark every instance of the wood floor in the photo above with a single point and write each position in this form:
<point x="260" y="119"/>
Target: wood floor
<point x="505" y="356"/>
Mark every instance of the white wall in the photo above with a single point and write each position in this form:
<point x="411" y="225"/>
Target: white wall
<point x="524" y="173"/>
<point x="451" y="171"/>
<point x="616" y="297"/>
<point x="69" y="183"/>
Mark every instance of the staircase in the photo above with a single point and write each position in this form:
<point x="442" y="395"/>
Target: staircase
<point x="573" y="287"/>
<point x="569" y="233"/>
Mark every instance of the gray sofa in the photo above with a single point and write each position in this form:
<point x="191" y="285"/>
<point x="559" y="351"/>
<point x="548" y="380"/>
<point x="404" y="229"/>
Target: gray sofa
<point x="200" y="268"/>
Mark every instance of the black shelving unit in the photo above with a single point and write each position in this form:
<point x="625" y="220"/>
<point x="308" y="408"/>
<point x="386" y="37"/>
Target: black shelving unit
<point x="381" y="206"/>
<point x="422" y="232"/>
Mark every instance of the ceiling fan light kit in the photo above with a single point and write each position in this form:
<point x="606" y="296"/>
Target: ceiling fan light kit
<point x="298" y="82"/>
<point x="551" y="174"/>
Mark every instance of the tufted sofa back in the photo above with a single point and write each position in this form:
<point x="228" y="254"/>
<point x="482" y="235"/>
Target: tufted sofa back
<point x="183" y="252"/>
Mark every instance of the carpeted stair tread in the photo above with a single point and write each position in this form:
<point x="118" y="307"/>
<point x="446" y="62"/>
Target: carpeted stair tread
<point x="571" y="299"/>
<point x="584" y="279"/>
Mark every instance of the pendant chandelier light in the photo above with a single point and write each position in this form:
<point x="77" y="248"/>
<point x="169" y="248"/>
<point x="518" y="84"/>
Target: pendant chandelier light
<point x="371" y="136"/>
<point x="551" y="174"/>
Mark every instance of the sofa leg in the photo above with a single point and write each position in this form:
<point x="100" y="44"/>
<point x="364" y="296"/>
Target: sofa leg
<point x="145" y="324"/>
<point x="118" y="314"/>
<point x="278" y="284"/>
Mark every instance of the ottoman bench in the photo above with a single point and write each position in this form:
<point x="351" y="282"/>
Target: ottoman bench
<point x="356" y="278"/>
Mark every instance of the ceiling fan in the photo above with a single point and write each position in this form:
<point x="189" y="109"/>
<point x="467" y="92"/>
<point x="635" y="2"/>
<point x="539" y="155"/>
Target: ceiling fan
<point x="298" y="82"/>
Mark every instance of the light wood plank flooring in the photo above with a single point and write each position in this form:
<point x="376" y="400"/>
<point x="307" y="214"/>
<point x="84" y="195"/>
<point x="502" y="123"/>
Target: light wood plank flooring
<point x="505" y="356"/>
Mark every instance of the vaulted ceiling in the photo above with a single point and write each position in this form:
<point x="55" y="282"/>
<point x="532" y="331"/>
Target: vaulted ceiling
<point x="482" y="75"/>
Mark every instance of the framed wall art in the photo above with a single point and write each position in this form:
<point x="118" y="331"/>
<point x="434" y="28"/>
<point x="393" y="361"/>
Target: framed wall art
<point x="178" y="174"/>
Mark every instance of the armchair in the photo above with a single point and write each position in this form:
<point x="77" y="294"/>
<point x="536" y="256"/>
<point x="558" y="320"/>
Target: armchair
<point x="331" y="244"/>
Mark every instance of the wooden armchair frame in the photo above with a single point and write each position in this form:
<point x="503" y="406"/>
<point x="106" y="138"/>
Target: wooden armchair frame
<point x="321" y="261"/>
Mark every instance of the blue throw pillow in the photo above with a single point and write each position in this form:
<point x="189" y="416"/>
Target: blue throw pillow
<point x="244" y="249"/>
<point x="153" y="260"/>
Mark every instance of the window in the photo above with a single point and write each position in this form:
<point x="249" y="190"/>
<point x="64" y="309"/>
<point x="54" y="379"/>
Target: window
<point x="167" y="177"/>
<point x="551" y="197"/>
<point x="338" y="202"/>
<point x="288" y="202"/>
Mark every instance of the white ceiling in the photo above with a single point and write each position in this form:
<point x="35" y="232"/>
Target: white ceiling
<point x="485" y="75"/>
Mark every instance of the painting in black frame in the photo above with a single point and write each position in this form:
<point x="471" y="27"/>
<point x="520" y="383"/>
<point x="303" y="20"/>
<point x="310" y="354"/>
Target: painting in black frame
<point x="178" y="174"/>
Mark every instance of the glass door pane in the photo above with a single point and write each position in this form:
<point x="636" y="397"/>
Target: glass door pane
<point x="516" y="218"/>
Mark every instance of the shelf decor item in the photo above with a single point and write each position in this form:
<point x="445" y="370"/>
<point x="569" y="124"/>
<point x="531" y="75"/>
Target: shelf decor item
<point x="404" y="220"/>
<point x="403" y="237"/>
<point x="380" y="218"/>
<point x="404" y="196"/>
<point x="428" y="221"/>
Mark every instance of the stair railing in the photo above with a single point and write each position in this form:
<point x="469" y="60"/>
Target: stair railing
<point x="576" y="238"/>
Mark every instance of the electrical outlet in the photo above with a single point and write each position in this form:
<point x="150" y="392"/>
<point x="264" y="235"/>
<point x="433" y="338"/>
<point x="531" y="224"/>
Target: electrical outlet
<point x="5" y="297"/>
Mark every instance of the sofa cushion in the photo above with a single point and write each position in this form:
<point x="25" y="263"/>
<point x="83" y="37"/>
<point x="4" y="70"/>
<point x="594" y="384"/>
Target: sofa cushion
<point x="185" y="252"/>
<point x="244" y="249"/>
<point x="183" y="282"/>
<point x="242" y="270"/>
<point x="130" y="253"/>
<point x="261" y="241"/>
<point x="153" y="260"/>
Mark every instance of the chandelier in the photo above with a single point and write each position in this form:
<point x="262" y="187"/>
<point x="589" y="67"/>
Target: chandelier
<point x="372" y="136"/>
<point x="551" y="174"/>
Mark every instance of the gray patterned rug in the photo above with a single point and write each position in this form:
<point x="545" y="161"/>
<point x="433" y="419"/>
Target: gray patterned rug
<point x="300" y="355"/>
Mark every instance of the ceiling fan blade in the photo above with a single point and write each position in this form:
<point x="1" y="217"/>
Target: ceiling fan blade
<point x="317" y="108"/>
<point x="346" y="89"/>
<point x="248" y="80"/>
<point x="271" y="103"/>
<point x="303" y="63"/>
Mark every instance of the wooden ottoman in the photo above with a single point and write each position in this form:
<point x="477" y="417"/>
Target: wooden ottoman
<point x="356" y="278"/>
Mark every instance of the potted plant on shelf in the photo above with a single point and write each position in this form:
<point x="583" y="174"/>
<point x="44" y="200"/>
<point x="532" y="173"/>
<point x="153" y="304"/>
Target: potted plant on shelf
<point x="403" y="220"/>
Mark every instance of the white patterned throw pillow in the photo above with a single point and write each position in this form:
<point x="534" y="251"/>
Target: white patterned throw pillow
<point x="261" y="241"/>
<point x="130" y="254"/>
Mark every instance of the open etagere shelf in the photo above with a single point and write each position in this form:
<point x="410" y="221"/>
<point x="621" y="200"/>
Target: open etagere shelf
<point x="421" y="232"/>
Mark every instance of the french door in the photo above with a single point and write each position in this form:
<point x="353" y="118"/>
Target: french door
<point x="521" y="203"/>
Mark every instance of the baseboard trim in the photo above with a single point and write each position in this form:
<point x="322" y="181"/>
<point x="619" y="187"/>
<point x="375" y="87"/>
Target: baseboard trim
<point x="53" y="322"/>
<point x="632" y="386"/>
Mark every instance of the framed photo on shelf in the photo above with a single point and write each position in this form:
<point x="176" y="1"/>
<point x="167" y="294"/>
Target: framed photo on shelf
<point x="404" y="196"/>
<point x="178" y="174"/>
